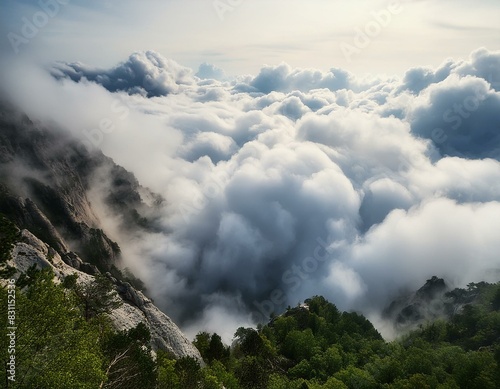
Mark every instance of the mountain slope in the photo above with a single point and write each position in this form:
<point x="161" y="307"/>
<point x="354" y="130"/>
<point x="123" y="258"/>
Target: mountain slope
<point x="45" y="178"/>
<point x="46" y="171"/>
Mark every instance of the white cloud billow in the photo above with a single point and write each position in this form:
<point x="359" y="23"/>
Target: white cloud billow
<point x="254" y="170"/>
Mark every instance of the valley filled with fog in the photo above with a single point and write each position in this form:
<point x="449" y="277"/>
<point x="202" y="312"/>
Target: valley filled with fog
<point x="290" y="182"/>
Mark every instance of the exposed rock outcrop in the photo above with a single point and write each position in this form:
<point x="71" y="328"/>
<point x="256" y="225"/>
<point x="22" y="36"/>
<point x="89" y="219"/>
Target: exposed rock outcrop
<point x="136" y="307"/>
<point x="434" y="300"/>
<point x="164" y="333"/>
<point x="427" y="303"/>
<point x="45" y="175"/>
<point x="46" y="182"/>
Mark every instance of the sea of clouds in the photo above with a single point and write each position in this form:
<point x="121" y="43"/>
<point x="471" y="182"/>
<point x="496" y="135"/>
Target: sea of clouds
<point x="293" y="182"/>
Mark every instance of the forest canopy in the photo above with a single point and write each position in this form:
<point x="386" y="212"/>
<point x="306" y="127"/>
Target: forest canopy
<point x="66" y="341"/>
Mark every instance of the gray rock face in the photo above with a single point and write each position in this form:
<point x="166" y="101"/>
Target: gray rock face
<point x="434" y="300"/>
<point x="136" y="307"/>
<point x="45" y="184"/>
<point x="432" y="288"/>
<point x="165" y="335"/>
<point x="25" y="213"/>
<point x="427" y="303"/>
<point x="45" y="175"/>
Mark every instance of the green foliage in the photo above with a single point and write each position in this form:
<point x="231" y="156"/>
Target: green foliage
<point x="353" y="377"/>
<point x="65" y="341"/>
<point x="252" y="373"/>
<point x="97" y="297"/>
<point x="28" y="277"/>
<point x="316" y="346"/>
<point x="299" y="345"/>
<point x="249" y="341"/>
<point x="224" y="376"/>
<point x="202" y="343"/>
<point x="128" y="359"/>
<point x="9" y="235"/>
<point x="303" y="369"/>
<point x="55" y="347"/>
<point x="59" y="345"/>
<point x="216" y="350"/>
<point x="6" y="271"/>
<point x="69" y="281"/>
<point x="278" y="381"/>
<point x="321" y="307"/>
<point x="189" y="372"/>
<point x="126" y="275"/>
<point x="334" y="383"/>
<point x="495" y="301"/>
<point x="211" y="348"/>
<point x="167" y="375"/>
<point x="328" y="362"/>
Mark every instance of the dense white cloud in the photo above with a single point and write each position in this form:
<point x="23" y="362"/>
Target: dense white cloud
<point x="283" y="78"/>
<point x="146" y="73"/>
<point x="461" y="115"/>
<point x="209" y="71"/>
<point x="263" y="175"/>
<point x="381" y="197"/>
<point x="482" y="63"/>
<point x="457" y="241"/>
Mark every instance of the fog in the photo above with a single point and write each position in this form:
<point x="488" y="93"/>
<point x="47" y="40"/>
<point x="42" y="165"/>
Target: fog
<point x="292" y="182"/>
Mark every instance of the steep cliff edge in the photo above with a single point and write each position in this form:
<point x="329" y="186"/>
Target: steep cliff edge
<point x="434" y="300"/>
<point x="426" y="304"/>
<point x="44" y="171"/>
<point x="45" y="180"/>
<point x="136" y="307"/>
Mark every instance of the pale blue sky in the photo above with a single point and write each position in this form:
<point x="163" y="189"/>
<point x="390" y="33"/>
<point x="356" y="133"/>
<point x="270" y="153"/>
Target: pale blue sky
<point x="256" y="32"/>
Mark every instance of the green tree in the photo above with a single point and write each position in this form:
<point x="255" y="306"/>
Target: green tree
<point x="251" y="373"/>
<point x="495" y="302"/>
<point x="128" y="362"/>
<point x="209" y="381"/>
<point x="327" y="363"/>
<point x="216" y="350"/>
<point x="9" y="235"/>
<point x="55" y="347"/>
<point x="415" y="381"/>
<point x="282" y="326"/>
<point x="224" y="375"/>
<point x="385" y="370"/>
<point x="69" y="281"/>
<point x="302" y="369"/>
<point x="277" y="381"/>
<point x="211" y="347"/>
<point x="167" y="375"/>
<point x="189" y="372"/>
<point x="333" y="383"/>
<point x="321" y="307"/>
<point x="299" y="345"/>
<point x="250" y="342"/>
<point x="354" y="377"/>
<point x="97" y="297"/>
<point x="202" y="343"/>
<point x="418" y="361"/>
<point x="478" y="370"/>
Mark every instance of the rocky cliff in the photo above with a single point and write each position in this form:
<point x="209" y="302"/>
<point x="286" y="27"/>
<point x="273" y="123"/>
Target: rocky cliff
<point x="434" y="300"/>
<point x="45" y="179"/>
<point x="45" y="175"/>
<point x="427" y="303"/>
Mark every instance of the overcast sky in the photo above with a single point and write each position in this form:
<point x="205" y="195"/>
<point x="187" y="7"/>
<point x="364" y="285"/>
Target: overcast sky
<point x="240" y="38"/>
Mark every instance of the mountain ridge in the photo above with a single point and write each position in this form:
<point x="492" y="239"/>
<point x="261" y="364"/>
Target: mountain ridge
<point x="44" y="182"/>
